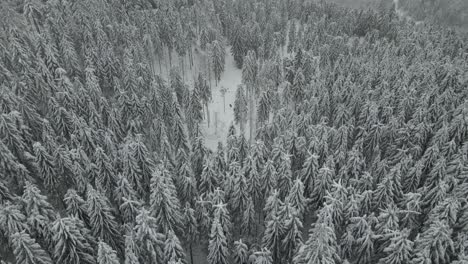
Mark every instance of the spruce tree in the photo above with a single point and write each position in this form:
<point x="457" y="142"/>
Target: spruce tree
<point x="148" y="239"/>
<point x="173" y="250"/>
<point x="292" y="240"/>
<point x="240" y="252"/>
<point x="240" y="108"/>
<point x="27" y="251"/>
<point x="320" y="247"/>
<point x="437" y="241"/>
<point x="12" y="220"/>
<point x="106" y="255"/>
<point x="75" y="205"/>
<point x="102" y="219"/>
<point x="273" y="237"/>
<point x="217" y="248"/>
<point x="218" y="55"/>
<point x="309" y="173"/>
<point x="296" y="197"/>
<point x="165" y="205"/>
<point x="71" y="245"/>
<point x="400" y="249"/>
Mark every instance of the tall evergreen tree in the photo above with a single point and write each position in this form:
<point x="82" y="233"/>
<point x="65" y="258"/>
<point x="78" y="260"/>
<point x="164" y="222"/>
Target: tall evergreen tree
<point x="27" y="251"/>
<point x="102" y="219"/>
<point x="165" y="205"/>
<point x="173" y="250"/>
<point x="240" y="252"/>
<point x="292" y="240"/>
<point x="217" y="249"/>
<point x="106" y="255"/>
<point x="71" y="244"/>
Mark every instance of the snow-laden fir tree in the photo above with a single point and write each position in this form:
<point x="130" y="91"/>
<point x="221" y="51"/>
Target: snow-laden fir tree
<point x="27" y="251"/>
<point x="165" y="205"/>
<point x="240" y="252"/>
<point x="71" y="242"/>
<point x="149" y="240"/>
<point x="75" y="205"/>
<point x="102" y="219"/>
<point x="173" y="250"/>
<point x="218" y="252"/>
<point x="241" y="108"/>
<point x="106" y="255"/>
<point x="292" y="240"/>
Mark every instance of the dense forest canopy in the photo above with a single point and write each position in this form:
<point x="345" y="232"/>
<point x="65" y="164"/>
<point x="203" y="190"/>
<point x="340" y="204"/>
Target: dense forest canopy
<point x="349" y="143"/>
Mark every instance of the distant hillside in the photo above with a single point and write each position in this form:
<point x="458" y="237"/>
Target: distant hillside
<point x="453" y="13"/>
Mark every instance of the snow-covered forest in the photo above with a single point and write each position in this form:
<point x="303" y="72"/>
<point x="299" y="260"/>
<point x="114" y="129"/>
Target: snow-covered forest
<point x="230" y="132"/>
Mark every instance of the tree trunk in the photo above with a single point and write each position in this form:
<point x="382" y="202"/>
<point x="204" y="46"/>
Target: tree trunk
<point x="160" y="66"/>
<point x="207" y="114"/>
<point x="169" y="51"/>
<point x="250" y="95"/>
<point x="191" y="254"/>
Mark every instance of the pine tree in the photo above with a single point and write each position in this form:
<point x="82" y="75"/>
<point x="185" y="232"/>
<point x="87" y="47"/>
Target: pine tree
<point x="75" y="205"/>
<point x="323" y="184"/>
<point x="130" y="168"/>
<point x="217" y="248"/>
<point x="195" y="113"/>
<point x="298" y="88"/>
<point x="101" y="218"/>
<point x="105" y="171"/>
<point x="131" y="250"/>
<point x="71" y="245"/>
<point x="273" y="237"/>
<point x="273" y="205"/>
<point x="148" y="239"/>
<point x="248" y="218"/>
<point x="296" y="197"/>
<point x="263" y="257"/>
<point x="45" y="162"/>
<point x="238" y="47"/>
<point x="292" y="36"/>
<point x="269" y="177"/>
<point x="173" y="250"/>
<point x="123" y="189"/>
<point x="40" y="214"/>
<point x="240" y="194"/>
<point x="187" y="186"/>
<point x="165" y="205"/>
<point x="106" y="255"/>
<point x="400" y="249"/>
<point x="437" y="241"/>
<point x="218" y="55"/>
<point x="12" y="220"/>
<point x="309" y="173"/>
<point x="292" y="240"/>
<point x="191" y="235"/>
<point x="240" y="108"/>
<point x="240" y="252"/>
<point x="208" y="180"/>
<point x="320" y="247"/>
<point x="27" y="251"/>
<point x="128" y="209"/>
<point x="249" y="78"/>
